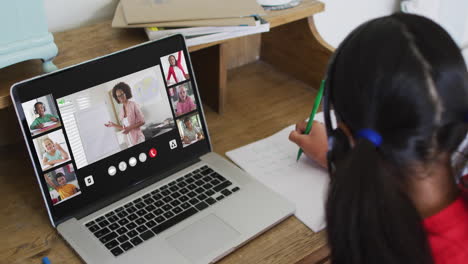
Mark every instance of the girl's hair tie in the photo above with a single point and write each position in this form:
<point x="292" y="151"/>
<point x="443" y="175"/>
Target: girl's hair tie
<point x="370" y="135"/>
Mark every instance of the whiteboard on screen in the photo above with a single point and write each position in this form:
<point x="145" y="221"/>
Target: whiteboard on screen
<point x="98" y="140"/>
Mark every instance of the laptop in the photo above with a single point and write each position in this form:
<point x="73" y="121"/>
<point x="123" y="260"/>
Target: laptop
<point x="122" y="155"/>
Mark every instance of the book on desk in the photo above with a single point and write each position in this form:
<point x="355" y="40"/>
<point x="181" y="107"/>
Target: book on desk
<point x="137" y="12"/>
<point x="201" y="35"/>
<point x="198" y="27"/>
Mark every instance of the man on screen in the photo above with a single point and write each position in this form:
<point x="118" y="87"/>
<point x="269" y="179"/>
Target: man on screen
<point x="64" y="189"/>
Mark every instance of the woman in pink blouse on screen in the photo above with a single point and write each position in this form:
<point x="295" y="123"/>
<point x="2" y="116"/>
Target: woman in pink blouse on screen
<point x="185" y="103"/>
<point x="176" y="72"/>
<point x="130" y="117"/>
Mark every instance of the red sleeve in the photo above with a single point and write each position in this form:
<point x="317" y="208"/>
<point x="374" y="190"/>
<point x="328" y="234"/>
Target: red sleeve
<point x="447" y="232"/>
<point x="182" y="69"/>
<point x="179" y="62"/>
<point x="179" y="55"/>
<point x="170" y="73"/>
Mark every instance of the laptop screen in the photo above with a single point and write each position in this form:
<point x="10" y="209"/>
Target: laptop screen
<point x="97" y="128"/>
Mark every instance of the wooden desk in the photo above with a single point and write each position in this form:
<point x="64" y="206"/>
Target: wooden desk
<point x="254" y="91"/>
<point x="257" y="100"/>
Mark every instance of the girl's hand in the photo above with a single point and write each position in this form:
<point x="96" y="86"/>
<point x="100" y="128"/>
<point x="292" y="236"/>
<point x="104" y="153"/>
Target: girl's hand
<point x="314" y="144"/>
<point x="57" y="146"/>
<point x="199" y="136"/>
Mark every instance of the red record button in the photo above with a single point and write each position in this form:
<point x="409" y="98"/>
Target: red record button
<point x="153" y="152"/>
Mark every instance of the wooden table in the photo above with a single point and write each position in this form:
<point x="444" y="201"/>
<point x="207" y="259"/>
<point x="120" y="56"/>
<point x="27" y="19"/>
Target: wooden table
<point x="256" y="100"/>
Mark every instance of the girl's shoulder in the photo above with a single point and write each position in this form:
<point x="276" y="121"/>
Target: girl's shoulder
<point x="447" y="232"/>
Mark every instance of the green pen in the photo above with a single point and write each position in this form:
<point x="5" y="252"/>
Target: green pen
<point x="312" y="114"/>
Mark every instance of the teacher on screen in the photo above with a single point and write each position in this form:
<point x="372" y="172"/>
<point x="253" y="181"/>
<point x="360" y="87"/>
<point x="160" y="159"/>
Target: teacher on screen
<point x="130" y="117"/>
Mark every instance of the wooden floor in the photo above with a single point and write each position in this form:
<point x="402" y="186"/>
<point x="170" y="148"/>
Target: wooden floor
<point x="260" y="102"/>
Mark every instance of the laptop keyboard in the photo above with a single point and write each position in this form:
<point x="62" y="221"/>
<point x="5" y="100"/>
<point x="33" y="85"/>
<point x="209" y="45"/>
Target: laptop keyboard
<point x="141" y="219"/>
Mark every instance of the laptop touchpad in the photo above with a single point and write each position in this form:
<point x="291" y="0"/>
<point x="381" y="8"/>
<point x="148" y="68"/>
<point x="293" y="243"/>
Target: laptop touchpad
<point x="203" y="237"/>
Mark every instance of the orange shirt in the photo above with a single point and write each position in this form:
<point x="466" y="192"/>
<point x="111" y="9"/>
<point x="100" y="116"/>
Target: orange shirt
<point x="66" y="191"/>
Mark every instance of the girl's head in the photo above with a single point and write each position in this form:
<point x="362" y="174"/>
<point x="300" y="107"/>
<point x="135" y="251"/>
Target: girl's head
<point x="182" y="93"/>
<point x="403" y="77"/>
<point x="121" y="92"/>
<point x="48" y="145"/>
<point x="172" y="60"/>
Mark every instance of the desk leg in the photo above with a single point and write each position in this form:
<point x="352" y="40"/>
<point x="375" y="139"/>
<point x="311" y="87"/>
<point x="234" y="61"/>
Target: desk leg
<point x="211" y="73"/>
<point x="297" y="49"/>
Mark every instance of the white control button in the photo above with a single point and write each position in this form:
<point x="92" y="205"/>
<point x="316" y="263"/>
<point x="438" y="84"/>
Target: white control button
<point x="112" y="170"/>
<point x="122" y="166"/>
<point x="89" y="180"/>
<point x="173" y="144"/>
<point x="142" y="157"/>
<point x="132" y="161"/>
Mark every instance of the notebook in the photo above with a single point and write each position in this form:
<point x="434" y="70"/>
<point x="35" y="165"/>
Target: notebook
<point x="128" y="174"/>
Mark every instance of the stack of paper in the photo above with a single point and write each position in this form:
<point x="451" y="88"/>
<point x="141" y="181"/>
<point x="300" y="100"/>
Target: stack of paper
<point x="200" y="21"/>
<point x="200" y="35"/>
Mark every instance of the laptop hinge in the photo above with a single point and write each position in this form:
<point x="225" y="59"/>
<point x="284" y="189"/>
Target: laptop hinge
<point x="130" y="190"/>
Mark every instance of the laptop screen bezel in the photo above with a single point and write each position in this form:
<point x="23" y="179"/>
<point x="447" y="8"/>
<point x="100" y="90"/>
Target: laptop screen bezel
<point x="89" y="74"/>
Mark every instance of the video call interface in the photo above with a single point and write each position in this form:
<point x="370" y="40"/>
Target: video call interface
<point x="110" y="118"/>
